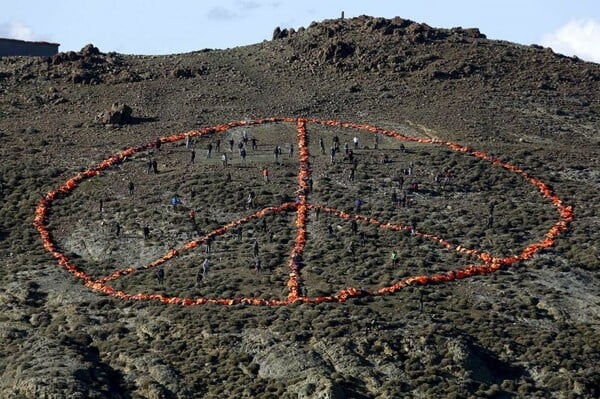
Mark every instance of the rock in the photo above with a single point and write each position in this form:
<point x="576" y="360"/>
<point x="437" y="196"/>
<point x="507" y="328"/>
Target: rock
<point x="279" y="33"/>
<point x="181" y="73"/>
<point x="317" y="388"/>
<point x="89" y="50"/>
<point x="118" y="114"/>
<point x="282" y="362"/>
<point x="337" y="51"/>
<point x="84" y="76"/>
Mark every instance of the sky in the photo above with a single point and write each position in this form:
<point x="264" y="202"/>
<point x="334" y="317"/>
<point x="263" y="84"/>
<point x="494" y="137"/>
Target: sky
<point x="570" y="27"/>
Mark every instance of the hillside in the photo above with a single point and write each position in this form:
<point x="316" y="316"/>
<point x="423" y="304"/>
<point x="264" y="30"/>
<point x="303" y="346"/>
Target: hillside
<point x="440" y="97"/>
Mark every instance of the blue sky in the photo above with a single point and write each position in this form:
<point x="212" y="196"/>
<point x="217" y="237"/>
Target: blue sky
<point x="175" y="26"/>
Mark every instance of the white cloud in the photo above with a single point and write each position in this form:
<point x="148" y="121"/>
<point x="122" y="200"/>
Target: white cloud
<point x="221" y="13"/>
<point x="17" y="30"/>
<point x="580" y="37"/>
<point x="237" y="10"/>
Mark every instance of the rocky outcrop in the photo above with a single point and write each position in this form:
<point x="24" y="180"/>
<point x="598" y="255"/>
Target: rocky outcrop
<point x="118" y="114"/>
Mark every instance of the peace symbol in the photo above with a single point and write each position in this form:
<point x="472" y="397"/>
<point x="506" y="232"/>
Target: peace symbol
<point x="484" y="263"/>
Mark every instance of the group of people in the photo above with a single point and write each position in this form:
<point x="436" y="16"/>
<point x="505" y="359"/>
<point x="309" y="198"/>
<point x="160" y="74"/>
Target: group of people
<point x="397" y="200"/>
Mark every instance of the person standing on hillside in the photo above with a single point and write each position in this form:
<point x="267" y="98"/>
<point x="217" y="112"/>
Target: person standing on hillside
<point x="413" y="227"/>
<point x="192" y="156"/>
<point x="160" y="275"/>
<point x="265" y="173"/>
<point x="358" y="204"/>
<point x="322" y="145"/>
<point x="336" y="142"/>
<point x="231" y="143"/>
<point x="199" y="277"/>
<point x="257" y="265"/>
<point x="209" y="148"/>
<point x="332" y="154"/>
<point x="208" y="244"/>
<point x="205" y="266"/>
<point x="253" y="140"/>
<point x="354" y="226"/>
<point x="394" y="257"/>
<point x="255" y="248"/>
<point x="355" y="141"/>
<point x="130" y="187"/>
<point x="175" y="201"/>
<point x="224" y="159"/>
<point x="352" y="249"/>
<point x="363" y="238"/>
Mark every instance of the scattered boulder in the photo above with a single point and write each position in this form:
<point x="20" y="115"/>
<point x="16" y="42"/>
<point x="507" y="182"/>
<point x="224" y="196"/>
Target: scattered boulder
<point x="182" y="73"/>
<point x="84" y="76"/>
<point x="337" y="51"/>
<point x="118" y="114"/>
<point x="279" y="33"/>
<point x="89" y="50"/>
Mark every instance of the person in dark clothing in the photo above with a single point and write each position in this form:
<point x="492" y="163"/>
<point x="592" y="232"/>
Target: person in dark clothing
<point x="354" y="226"/>
<point x="130" y="187"/>
<point x="146" y="231"/>
<point x="257" y="265"/>
<point x="363" y="238"/>
<point x="199" y="277"/>
<point x="255" y="248"/>
<point x="160" y="275"/>
<point x="413" y="227"/>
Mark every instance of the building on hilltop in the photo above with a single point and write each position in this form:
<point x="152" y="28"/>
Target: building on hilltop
<point x="15" y="47"/>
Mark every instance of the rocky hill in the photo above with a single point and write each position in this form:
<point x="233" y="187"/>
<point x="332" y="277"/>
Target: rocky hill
<point x="531" y="329"/>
